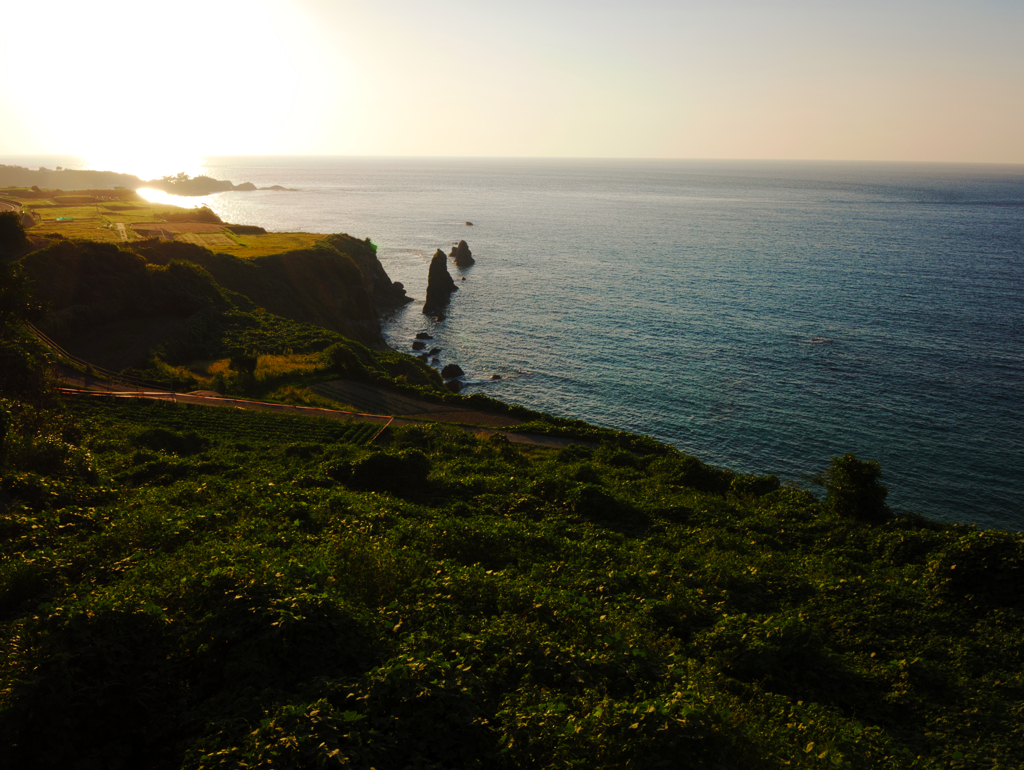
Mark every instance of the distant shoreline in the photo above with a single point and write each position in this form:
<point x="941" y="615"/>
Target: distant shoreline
<point x="72" y="179"/>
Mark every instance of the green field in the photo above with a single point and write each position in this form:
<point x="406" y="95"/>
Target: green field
<point x="97" y="221"/>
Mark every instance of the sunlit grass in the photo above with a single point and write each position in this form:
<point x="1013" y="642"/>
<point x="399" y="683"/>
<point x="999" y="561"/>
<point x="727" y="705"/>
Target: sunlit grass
<point x="302" y="396"/>
<point x="270" y="366"/>
<point x="99" y="220"/>
<point x="271" y="243"/>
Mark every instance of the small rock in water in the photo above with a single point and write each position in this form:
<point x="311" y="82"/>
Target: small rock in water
<point x="469" y="224"/>
<point x="423" y="336"/>
<point x="419" y="345"/>
<point x="495" y="376"/>
<point x="452" y="370"/>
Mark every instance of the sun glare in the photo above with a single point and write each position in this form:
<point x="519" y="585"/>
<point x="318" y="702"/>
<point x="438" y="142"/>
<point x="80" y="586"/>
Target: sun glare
<point x="159" y="196"/>
<point x="148" y="88"/>
<point x="146" y="163"/>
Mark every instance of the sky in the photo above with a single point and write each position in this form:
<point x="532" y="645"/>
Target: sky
<point x="139" y="86"/>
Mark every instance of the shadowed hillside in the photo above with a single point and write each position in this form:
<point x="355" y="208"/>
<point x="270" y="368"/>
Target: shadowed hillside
<point x="186" y="296"/>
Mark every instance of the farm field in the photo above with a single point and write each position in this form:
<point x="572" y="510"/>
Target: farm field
<point x="113" y="218"/>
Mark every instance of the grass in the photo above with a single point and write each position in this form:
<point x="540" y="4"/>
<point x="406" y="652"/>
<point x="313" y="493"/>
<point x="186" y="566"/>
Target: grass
<point x="272" y="243"/>
<point x="94" y="221"/>
<point x="187" y="587"/>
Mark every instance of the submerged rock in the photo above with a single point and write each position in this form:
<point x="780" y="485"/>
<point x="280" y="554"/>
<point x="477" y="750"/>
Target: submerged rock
<point x="439" y="285"/>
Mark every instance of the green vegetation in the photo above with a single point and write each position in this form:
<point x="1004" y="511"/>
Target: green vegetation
<point x="97" y="213"/>
<point x="174" y="303"/>
<point x="12" y="234"/>
<point x="194" y="587"/>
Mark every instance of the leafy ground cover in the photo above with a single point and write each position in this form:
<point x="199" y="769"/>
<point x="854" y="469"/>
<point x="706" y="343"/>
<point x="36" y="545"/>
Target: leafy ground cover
<point x="189" y="588"/>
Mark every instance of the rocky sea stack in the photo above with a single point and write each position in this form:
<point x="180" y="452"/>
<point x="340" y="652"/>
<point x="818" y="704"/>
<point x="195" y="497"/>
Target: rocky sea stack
<point x="439" y="285"/>
<point x="462" y="255"/>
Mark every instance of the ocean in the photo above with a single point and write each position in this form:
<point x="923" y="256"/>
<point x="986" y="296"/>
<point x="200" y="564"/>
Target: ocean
<point x="763" y="316"/>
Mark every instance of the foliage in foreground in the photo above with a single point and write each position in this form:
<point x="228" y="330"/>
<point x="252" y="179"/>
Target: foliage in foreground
<point x="181" y="588"/>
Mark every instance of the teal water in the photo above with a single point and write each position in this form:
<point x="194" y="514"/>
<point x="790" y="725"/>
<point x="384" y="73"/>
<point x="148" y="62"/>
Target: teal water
<point x="763" y="316"/>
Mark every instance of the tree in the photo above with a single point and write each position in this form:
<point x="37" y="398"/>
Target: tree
<point x="12" y="234"/>
<point x="16" y="301"/>
<point x="22" y="357"/>
<point x="854" y="490"/>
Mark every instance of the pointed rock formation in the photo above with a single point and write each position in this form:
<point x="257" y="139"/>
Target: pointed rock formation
<point x="439" y="285"/>
<point x="462" y="255"/>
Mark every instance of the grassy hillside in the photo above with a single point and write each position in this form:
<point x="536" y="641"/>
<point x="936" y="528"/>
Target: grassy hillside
<point x="187" y="588"/>
<point x="184" y="302"/>
<point x="121" y="215"/>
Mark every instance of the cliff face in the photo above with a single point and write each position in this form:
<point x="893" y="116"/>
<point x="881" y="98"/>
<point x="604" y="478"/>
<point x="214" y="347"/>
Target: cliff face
<point x="339" y="285"/>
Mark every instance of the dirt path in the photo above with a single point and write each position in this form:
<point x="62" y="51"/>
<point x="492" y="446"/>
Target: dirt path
<point x="381" y="401"/>
<point x="94" y="390"/>
<point x="121" y="231"/>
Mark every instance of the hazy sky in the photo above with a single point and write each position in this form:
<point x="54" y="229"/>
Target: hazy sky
<point x="867" y="80"/>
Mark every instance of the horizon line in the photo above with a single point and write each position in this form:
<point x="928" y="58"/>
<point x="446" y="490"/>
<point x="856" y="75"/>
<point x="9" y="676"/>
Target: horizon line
<point x="581" y="158"/>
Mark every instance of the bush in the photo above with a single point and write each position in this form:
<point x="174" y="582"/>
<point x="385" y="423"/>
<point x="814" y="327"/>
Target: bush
<point x="688" y="471"/>
<point x="383" y="472"/>
<point x="51" y="456"/>
<point x="101" y="680"/>
<point x="754" y="486"/>
<point x="175" y="443"/>
<point x="12" y="234"/>
<point x="854" y="491"/>
<point x="983" y="566"/>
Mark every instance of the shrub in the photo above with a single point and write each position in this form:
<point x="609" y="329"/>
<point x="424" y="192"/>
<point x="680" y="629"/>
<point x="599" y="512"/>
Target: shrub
<point x="340" y="358"/>
<point x="854" y="491"/>
<point x="384" y="472"/>
<point x="754" y="486"/>
<point x="50" y="455"/>
<point x="168" y="441"/>
<point x="12" y="234"/>
<point x="987" y="566"/>
<point x="777" y="648"/>
<point x="688" y="471"/>
<point x="101" y="680"/>
<point x="244" y="363"/>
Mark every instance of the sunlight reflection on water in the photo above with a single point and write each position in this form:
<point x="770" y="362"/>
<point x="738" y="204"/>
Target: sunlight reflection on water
<point x="184" y="201"/>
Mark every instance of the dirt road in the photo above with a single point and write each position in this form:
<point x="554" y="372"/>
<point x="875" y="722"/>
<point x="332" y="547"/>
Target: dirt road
<point x="110" y="391"/>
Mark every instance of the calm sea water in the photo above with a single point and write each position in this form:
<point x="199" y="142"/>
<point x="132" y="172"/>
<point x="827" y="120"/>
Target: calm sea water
<point x="763" y="316"/>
